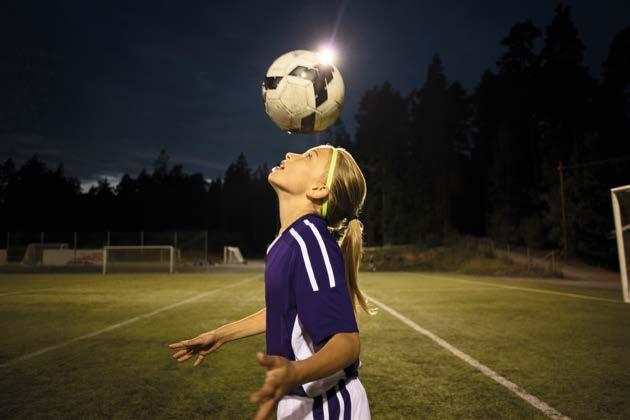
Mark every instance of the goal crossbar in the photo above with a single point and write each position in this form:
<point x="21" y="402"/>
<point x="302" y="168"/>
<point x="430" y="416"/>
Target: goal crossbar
<point x="169" y="248"/>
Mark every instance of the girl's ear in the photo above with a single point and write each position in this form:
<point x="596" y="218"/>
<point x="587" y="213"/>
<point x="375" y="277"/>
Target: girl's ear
<point x="317" y="192"/>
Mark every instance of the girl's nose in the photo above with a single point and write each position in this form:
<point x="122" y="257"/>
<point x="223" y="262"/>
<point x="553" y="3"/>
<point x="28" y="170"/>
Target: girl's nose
<point x="288" y="155"/>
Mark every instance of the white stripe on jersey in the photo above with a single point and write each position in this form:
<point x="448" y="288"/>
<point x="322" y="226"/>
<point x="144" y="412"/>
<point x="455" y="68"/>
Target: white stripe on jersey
<point x="307" y="260"/>
<point x="325" y="407"/>
<point x="342" y="404"/>
<point x="320" y="241"/>
<point x="273" y="243"/>
<point x="303" y="348"/>
<point x="295" y="407"/>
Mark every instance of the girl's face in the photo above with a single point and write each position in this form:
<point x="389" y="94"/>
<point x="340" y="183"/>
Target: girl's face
<point x="303" y="174"/>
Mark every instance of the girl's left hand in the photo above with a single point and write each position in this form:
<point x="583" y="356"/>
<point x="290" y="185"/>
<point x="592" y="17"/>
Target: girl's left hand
<point x="281" y="377"/>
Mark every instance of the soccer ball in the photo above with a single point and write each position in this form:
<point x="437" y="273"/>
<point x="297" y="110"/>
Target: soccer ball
<point x="303" y="92"/>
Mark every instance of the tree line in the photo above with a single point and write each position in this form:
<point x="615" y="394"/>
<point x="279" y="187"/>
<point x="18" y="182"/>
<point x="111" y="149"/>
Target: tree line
<point x="238" y="208"/>
<point x="439" y="162"/>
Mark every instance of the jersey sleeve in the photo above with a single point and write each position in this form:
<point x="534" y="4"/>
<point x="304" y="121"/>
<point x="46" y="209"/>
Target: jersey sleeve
<point x="323" y="302"/>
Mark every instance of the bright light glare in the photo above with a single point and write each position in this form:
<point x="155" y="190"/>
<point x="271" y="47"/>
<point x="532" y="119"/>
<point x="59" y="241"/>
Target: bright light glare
<point x="328" y="55"/>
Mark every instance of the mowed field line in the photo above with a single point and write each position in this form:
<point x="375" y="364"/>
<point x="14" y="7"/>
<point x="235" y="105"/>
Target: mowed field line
<point x="126" y="322"/>
<point x="524" y="289"/>
<point x="521" y="392"/>
<point x="27" y="292"/>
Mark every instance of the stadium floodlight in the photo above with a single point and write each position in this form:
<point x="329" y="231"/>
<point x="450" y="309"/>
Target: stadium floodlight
<point x="232" y="255"/>
<point x="621" y="213"/>
<point x="139" y="258"/>
<point x="328" y="54"/>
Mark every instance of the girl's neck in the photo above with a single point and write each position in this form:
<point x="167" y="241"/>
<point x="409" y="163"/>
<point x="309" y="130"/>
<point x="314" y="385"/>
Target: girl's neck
<point x="291" y="209"/>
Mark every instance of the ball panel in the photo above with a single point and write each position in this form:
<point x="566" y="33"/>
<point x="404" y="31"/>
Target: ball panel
<point x="294" y="98"/>
<point x="279" y="114"/>
<point x="304" y="125"/>
<point x="272" y="82"/>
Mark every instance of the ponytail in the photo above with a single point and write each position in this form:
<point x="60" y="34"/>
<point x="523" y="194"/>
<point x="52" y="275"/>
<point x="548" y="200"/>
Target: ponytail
<point x="352" y="248"/>
<point x="347" y="189"/>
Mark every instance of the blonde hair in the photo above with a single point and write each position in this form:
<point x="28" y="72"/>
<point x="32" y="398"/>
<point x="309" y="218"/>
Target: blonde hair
<point x="345" y="202"/>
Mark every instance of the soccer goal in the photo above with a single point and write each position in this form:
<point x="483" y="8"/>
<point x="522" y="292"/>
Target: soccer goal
<point x="621" y="212"/>
<point x="138" y="258"/>
<point x="232" y="255"/>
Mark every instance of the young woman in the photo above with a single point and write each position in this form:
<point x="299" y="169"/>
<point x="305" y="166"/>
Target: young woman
<point x="311" y="294"/>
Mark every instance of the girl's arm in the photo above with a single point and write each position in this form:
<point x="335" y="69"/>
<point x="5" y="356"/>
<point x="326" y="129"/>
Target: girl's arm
<point x="338" y="353"/>
<point x="208" y="342"/>
<point x="283" y="375"/>
<point x="251" y="325"/>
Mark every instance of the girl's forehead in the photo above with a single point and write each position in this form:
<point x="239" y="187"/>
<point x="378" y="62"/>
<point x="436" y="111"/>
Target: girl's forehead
<point x="320" y="148"/>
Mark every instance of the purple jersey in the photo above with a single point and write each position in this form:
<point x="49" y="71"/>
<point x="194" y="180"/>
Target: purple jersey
<point x="306" y="296"/>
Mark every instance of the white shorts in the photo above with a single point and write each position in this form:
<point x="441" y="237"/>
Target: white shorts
<point x="346" y="401"/>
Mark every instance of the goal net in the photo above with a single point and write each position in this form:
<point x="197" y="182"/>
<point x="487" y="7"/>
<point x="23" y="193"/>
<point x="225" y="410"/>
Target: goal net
<point x="152" y="258"/>
<point x="34" y="253"/>
<point x="232" y="255"/>
<point x="621" y="212"/>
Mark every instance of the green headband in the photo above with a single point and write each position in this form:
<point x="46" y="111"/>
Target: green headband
<point x="331" y="170"/>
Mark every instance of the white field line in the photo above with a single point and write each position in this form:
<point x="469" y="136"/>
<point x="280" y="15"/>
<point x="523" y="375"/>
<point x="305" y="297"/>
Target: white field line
<point x="438" y="289"/>
<point x="124" y="323"/>
<point x="529" y="398"/>
<point x="525" y="289"/>
<point x="27" y="292"/>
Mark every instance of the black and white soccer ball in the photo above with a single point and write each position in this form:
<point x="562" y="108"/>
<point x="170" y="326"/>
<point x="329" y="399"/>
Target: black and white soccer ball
<point x="303" y="92"/>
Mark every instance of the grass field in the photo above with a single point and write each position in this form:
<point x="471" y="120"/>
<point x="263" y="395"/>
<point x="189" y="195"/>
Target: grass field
<point x="78" y="345"/>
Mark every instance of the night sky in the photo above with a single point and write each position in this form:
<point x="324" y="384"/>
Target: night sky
<point x="142" y="76"/>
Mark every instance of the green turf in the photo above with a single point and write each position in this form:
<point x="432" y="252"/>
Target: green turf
<point x="571" y="353"/>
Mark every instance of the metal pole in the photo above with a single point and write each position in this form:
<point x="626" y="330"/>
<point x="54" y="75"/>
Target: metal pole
<point x="142" y="239"/>
<point x="75" y="246"/>
<point x="623" y="271"/>
<point x="171" y="249"/>
<point x="564" y="218"/>
<point x="108" y="238"/>
<point x="105" y="260"/>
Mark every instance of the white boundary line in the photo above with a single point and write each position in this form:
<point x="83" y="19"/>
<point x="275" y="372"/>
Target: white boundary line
<point x="437" y="289"/>
<point x="522" y="393"/>
<point x="525" y="289"/>
<point x="27" y="292"/>
<point x="124" y="323"/>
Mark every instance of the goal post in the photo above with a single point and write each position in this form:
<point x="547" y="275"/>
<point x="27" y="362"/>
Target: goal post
<point x="139" y="258"/>
<point x="232" y="255"/>
<point x="621" y="212"/>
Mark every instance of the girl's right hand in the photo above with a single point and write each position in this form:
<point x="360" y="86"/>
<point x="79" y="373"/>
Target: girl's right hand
<point x="202" y="345"/>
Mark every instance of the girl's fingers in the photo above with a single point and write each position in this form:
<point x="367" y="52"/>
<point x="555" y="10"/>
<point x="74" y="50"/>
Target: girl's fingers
<point x="267" y="391"/>
<point x="204" y="353"/>
<point x="211" y="349"/>
<point x="180" y="344"/>
<point x="265" y="409"/>
<point x="264" y="360"/>
<point x="199" y="360"/>
<point x="176" y="345"/>
<point x="179" y="354"/>
<point x="185" y="357"/>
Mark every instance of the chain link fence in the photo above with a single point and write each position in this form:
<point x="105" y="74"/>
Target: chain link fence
<point x="35" y="249"/>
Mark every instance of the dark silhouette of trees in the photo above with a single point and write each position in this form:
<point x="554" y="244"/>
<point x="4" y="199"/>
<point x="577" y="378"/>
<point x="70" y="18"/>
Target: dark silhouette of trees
<point x="438" y="161"/>
<point x="487" y="164"/>
<point x="238" y="209"/>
